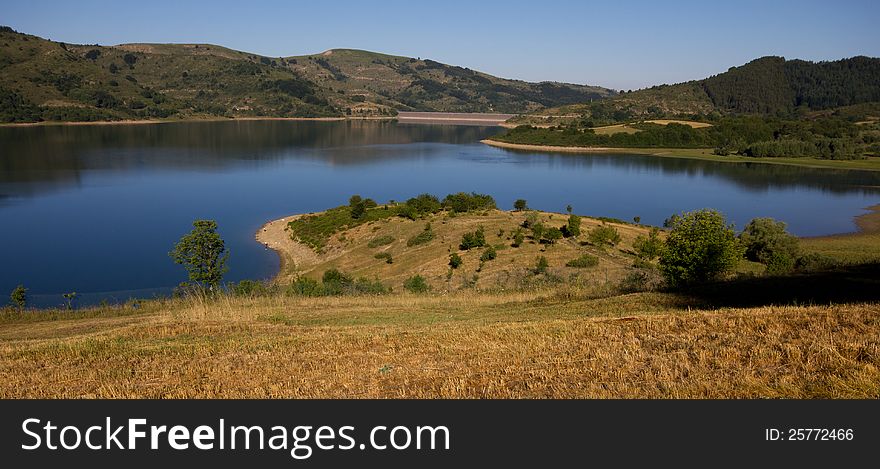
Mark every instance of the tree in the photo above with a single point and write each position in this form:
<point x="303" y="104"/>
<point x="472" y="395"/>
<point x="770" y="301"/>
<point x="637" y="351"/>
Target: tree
<point x="518" y="238"/>
<point x="701" y="247"/>
<point x="203" y="253"/>
<point x="568" y="208"/>
<point x="455" y="260"/>
<point x="766" y="241"/>
<point x="520" y="204"/>
<point x="649" y="247"/>
<point x="477" y="239"/>
<point x="573" y="228"/>
<point x="358" y="206"/>
<point x="537" y="231"/>
<point x="71" y="299"/>
<point x="18" y="297"/>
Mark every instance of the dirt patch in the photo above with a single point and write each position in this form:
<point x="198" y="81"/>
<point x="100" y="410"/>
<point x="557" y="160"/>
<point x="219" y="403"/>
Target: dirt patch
<point x="294" y="256"/>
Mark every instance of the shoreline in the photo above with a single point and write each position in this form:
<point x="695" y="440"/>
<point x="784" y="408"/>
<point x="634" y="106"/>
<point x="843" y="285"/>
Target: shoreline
<point x="871" y="164"/>
<point x="189" y="120"/>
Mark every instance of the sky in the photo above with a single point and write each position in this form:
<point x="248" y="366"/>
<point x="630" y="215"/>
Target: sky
<point x="620" y="45"/>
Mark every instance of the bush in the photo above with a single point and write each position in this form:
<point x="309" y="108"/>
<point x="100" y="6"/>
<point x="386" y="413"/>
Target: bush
<point x="477" y="239"/>
<point x="423" y="204"/>
<point x="766" y="241"/>
<point x="380" y="241"/>
<point x="249" y="288"/>
<point x="531" y="220"/>
<point x="583" y="262"/>
<point x="489" y="254"/>
<point x="815" y="262"/>
<point x="537" y="231"/>
<point x="455" y="260"/>
<point x="604" y="234"/>
<point x="701" y="247"/>
<point x="386" y="256"/>
<point x="304" y="286"/>
<point x="357" y="206"/>
<point x="573" y="228"/>
<point x="520" y="204"/>
<point x="518" y="238"/>
<point x="18" y="297"/>
<point x="541" y="265"/>
<point x="416" y="284"/>
<point x="340" y="283"/>
<point x="422" y="238"/>
<point x="463" y="202"/>
<point x="552" y="235"/>
<point x="649" y="247"/>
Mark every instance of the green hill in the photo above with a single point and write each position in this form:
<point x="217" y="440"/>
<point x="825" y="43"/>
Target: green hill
<point x="767" y="86"/>
<point x="53" y="81"/>
<point x="376" y="80"/>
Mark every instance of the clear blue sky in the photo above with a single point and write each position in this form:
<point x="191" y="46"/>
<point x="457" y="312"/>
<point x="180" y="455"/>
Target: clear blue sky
<point x="621" y="45"/>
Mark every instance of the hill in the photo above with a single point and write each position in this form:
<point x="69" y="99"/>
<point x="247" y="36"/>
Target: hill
<point x="403" y="83"/>
<point x="766" y="86"/>
<point x="53" y="81"/>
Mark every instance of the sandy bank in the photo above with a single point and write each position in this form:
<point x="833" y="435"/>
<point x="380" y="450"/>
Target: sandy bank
<point x="274" y="235"/>
<point x="207" y="119"/>
<point x="551" y="148"/>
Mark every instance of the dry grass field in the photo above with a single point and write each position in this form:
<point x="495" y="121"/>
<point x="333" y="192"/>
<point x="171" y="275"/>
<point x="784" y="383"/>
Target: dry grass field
<point x="556" y="343"/>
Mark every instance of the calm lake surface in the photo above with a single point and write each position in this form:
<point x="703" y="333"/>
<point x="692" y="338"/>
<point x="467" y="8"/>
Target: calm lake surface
<point x="95" y="209"/>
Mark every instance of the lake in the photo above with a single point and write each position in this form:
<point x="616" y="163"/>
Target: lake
<point x="95" y="209"/>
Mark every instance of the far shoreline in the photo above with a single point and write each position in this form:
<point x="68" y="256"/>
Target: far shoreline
<point x="190" y="120"/>
<point x="705" y="154"/>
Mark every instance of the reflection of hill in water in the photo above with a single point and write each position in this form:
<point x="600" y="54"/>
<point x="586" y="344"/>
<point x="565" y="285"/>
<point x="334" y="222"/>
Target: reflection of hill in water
<point x="752" y="176"/>
<point x="37" y="159"/>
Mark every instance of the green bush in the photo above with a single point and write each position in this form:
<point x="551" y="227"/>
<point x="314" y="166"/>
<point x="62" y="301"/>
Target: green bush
<point x="423" y="204"/>
<point x="489" y="254"/>
<point x="304" y="286"/>
<point x="815" y="262"/>
<point x="518" y="238"/>
<point x="386" y="256"/>
<point x="701" y="247"/>
<point x="604" y="235"/>
<point x="476" y="239"/>
<point x="416" y="284"/>
<point x="583" y="262"/>
<point x="380" y="241"/>
<point x="249" y="288"/>
<point x="766" y="241"/>
<point x="552" y="235"/>
<point x="18" y="298"/>
<point x="573" y="228"/>
<point x="422" y="238"/>
<point x="464" y="202"/>
<point x="649" y="247"/>
<point x="541" y="265"/>
<point x="455" y="260"/>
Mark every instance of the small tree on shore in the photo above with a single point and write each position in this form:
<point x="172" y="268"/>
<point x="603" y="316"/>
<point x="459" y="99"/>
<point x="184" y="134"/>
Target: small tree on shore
<point x="203" y="253"/>
<point x="18" y="297"/>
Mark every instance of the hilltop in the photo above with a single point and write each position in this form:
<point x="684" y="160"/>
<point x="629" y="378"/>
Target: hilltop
<point x="765" y="86"/>
<point x="53" y="81"/>
<point x="410" y="84"/>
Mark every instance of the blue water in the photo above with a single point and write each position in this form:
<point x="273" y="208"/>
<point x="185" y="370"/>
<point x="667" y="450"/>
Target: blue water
<point x="95" y="209"/>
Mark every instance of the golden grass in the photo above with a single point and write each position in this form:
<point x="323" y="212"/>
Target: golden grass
<point x="555" y="343"/>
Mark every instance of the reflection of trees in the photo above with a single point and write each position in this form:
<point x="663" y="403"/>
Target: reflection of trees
<point x="752" y="176"/>
<point x="35" y="159"/>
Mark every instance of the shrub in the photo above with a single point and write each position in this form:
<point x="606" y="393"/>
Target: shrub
<point x="520" y="204"/>
<point x="553" y="234"/>
<point x="518" y="238"/>
<point x="416" y="284"/>
<point x="537" y="231"/>
<point x="476" y="239"/>
<point x="604" y="234"/>
<point x="649" y="247"/>
<point x="424" y="237"/>
<point x="814" y="262"/>
<point x="249" y="288"/>
<point x="386" y="256"/>
<point x="455" y="260"/>
<point x="423" y="204"/>
<point x="464" y="202"/>
<point x="357" y="206"/>
<point x="336" y="282"/>
<point x="700" y="248"/>
<point x="304" y="286"/>
<point x="18" y="297"/>
<point x="380" y="241"/>
<point x="573" y="228"/>
<point x="489" y="254"/>
<point x="541" y="265"/>
<point x="583" y="262"/>
<point x="766" y="241"/>
<point x="531" y="220"/>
